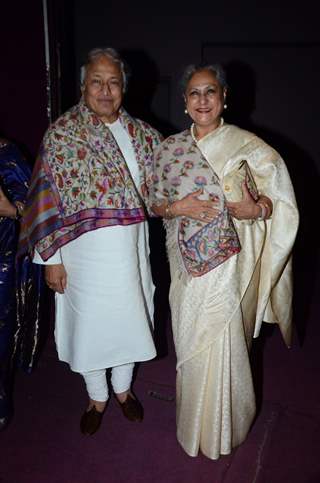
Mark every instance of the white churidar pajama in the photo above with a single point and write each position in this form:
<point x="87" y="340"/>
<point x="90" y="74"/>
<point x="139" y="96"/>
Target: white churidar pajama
<point x="96" y="381"/>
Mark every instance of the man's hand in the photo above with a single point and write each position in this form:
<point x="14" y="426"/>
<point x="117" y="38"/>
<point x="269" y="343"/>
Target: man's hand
<point x="56" y="277"/>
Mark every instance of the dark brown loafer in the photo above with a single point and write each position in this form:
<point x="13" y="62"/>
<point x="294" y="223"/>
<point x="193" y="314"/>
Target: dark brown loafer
<point x="132" y="409"/>
<point x="90" y="421"/>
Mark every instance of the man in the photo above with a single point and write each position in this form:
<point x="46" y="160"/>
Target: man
<point x="86" y="221"/>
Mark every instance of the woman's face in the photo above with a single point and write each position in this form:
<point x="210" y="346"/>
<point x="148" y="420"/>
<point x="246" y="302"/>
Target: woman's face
<point x="205" y="98"/>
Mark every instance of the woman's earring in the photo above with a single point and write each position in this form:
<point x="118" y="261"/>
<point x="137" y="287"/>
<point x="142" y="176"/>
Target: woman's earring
<point x="186" y="111"/>
<point x="225" y="106"/>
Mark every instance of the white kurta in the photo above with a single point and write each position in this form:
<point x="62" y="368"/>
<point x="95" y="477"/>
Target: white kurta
<point x="104" y="318"/>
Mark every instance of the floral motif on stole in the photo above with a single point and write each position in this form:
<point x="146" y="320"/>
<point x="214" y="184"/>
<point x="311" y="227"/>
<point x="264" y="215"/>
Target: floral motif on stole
<point x="180" y="169"/>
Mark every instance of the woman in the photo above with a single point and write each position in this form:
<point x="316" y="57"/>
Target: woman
<point x="19" y="280"/>
<point x="231" y="221"/>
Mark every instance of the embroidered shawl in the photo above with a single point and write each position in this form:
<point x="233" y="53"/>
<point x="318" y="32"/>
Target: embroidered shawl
<point x="81" y="181"/>
<point x="180" y="168"/>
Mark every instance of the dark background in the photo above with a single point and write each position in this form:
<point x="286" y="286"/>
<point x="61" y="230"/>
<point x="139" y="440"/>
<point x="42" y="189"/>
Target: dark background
<point x="272" y="59"/>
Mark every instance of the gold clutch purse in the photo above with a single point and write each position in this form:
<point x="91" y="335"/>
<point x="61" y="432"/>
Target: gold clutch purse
<point x="232" y="183"/>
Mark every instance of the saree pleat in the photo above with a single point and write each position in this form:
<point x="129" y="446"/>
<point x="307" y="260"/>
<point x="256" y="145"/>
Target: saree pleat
<point x="215" y="396"/>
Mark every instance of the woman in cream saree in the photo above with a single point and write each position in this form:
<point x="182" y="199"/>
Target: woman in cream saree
<point x="227" y="274"/>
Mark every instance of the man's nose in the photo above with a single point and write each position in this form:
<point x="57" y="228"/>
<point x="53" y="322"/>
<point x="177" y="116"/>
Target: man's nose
<point x="105" y="89"/>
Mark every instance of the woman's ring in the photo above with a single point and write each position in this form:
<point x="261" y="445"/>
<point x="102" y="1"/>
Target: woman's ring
<point x="203" y="214"/>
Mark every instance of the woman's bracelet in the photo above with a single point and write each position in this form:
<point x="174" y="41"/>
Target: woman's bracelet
<point x="267" y="203"/>
<point x="263" y="212"/>
<point x="167" y="212"/>
<point x="18" y="215"/>
<point x="19" y="210"/>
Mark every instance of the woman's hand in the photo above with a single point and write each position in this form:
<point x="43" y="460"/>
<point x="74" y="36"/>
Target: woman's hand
<point x="192" y="207"/>
<point x="56" y="277"/>
<point x="7" y="208"/>
<point x="247" y="208"/>
<point x="189" y="206"/>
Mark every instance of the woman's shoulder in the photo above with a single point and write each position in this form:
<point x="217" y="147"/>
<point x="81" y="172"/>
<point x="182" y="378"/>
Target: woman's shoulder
<point x="246" y="134"/>
<point x="177" y="139"/>
<point x="242" y="134"/>
<point x="172" y="143"/>
<point x="258" y="152"/>
<point x="250" y="139"/>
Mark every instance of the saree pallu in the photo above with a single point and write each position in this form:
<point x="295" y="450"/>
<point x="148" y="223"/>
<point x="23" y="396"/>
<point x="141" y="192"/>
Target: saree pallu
<point x="215" y="316"/>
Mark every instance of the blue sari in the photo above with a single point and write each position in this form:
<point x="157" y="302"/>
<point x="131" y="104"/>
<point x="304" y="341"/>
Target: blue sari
<point x="20" y="282"/>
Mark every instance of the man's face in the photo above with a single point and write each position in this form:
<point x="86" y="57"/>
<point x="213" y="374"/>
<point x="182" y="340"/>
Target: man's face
<point x="103" y="89"/>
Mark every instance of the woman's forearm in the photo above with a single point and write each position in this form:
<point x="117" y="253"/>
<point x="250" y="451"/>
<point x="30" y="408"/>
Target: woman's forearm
<point x="166" y="209"/>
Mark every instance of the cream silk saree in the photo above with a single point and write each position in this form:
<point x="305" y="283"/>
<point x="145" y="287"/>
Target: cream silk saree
<point x="215" y="316"/>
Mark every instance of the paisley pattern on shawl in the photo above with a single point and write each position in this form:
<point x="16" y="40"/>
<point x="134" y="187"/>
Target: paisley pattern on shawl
<point x="81" y="181"/>
<point x="180" y="169"/>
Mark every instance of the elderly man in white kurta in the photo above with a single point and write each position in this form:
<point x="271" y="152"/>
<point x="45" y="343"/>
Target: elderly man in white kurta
<point x="86" y="221"/>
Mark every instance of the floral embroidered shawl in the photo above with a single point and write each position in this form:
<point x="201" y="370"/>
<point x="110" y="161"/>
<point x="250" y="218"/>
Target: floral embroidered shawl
<point x="180" y="168"/>
<point x="81" y="181"/>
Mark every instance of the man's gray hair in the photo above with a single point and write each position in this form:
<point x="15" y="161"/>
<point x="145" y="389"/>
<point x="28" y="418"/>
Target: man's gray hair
<point x="216" y="69"/>
<point x="110" y="53"/>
